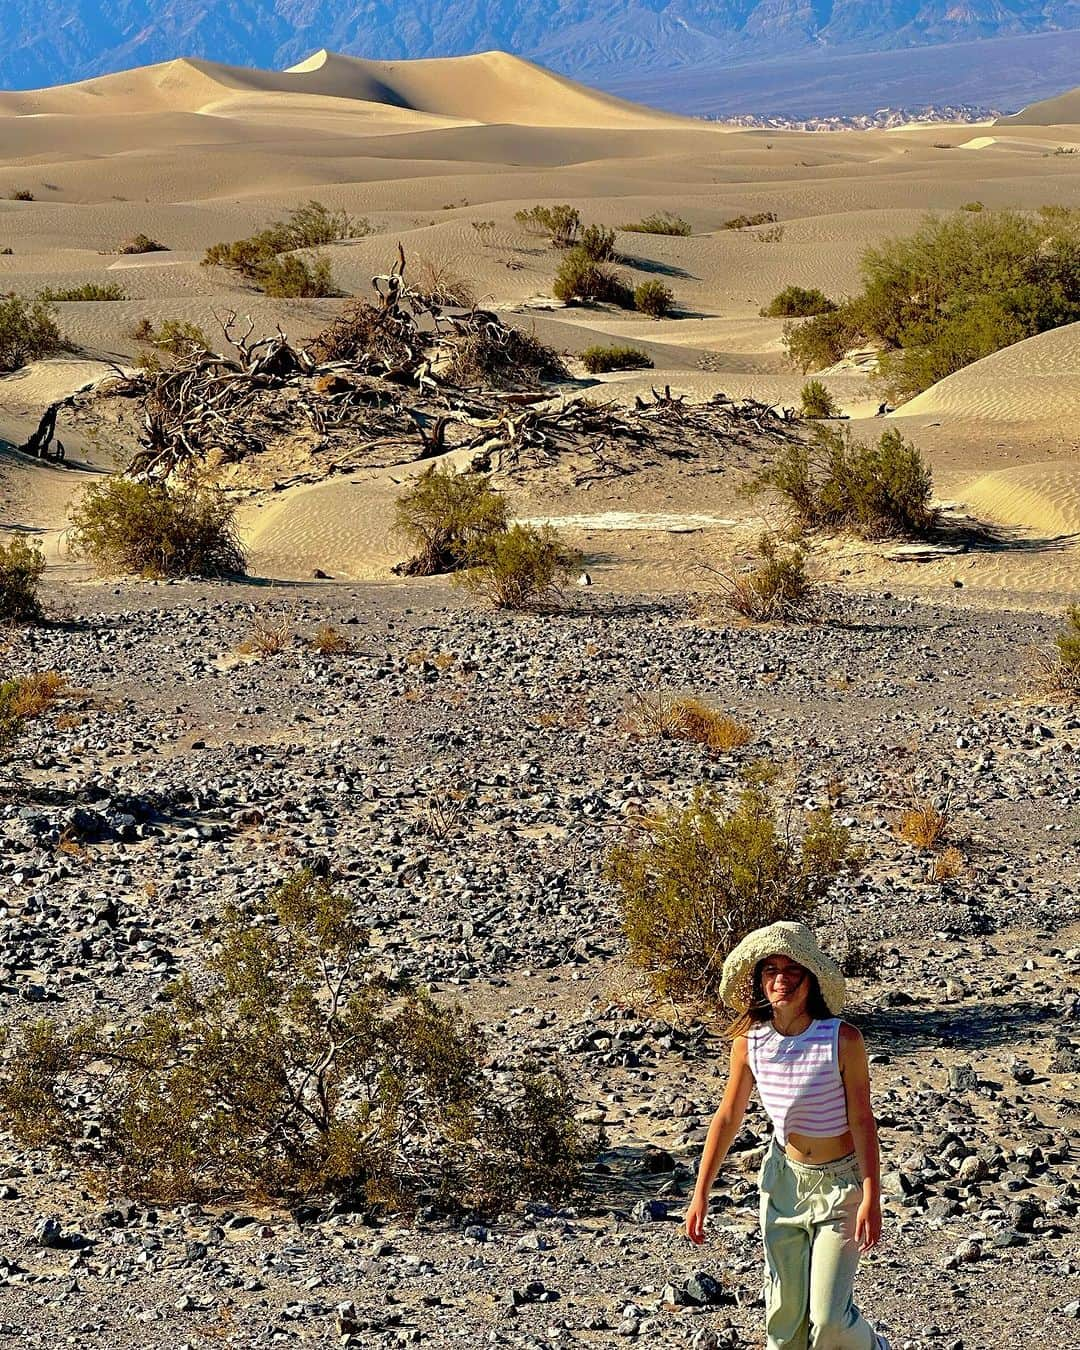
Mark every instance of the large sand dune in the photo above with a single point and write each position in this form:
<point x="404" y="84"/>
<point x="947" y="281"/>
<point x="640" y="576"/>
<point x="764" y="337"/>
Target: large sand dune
<point x="1062" y="110"/>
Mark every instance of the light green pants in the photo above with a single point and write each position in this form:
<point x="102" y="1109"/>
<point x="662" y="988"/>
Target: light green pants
<point x="808" y="1225"/>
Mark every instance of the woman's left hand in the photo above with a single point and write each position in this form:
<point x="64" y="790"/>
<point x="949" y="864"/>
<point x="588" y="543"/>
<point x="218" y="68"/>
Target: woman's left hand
<point x="868" y="1223"/>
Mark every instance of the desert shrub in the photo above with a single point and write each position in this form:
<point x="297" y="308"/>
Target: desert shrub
<point x="89" y="290"/>
<point x="175" y="336"/>
<point x="293" y="277"/>
<point x="313" y="224"/>
<point x="697" y="879"/>
<point x="439" y="286"/>
<point x="839" y="483"/>
<point x="777" y="589"/>
<point x="798" y="302"/>
<point x="599" y="360"/>
<point x="652" y="713"/>
<point x="561" y="224"/>
<point x="293" y="1070"/>
<point x="141" y="243"/>
<point x="21" y="569"/>
<point x="660" y="222"/>
<point x="21" y="195"/>
<point x="923" y="825"/>
<point x="772" y="234"/>
<point x="744" y="222"/>
<point x="496" y="354"/>
<point x="580" y="278"/>
<point x="362" y="330"/>
<point x="964" y="286"/>
<point x="598" y="243"/>
<point x="28" y="331"/>
<point x="972" y="206"/>
<point x="448" y="518"/>
<point x="24" y="698"/>
<point x="330" y="641"/>
<point x="816" y="401"/>
<point x="149" y="529"/>
<point x="7" y="251"/>
<point x="948" y="865"/>
<point x="11" y="723"/>
<point x="653" y="298"/>
<point x="1057" y="670"/>
<point x="824" y="339"/>
<point x="860" y="962"/>
<point x="521" y="568"/>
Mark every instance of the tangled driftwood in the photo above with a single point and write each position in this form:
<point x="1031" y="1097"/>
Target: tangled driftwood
<point x="404" y="378"/>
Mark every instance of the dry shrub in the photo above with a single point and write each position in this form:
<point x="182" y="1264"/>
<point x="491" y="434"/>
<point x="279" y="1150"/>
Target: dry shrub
<point x="152" y="530"/>
<point x="448" y="518"/>
<point x="267" y="637"/>
<point x="494" y="353"/>
<point x="745" y="221"/>
<point x="696" y="880"/>
<point x="21" y="195"/>
<point x="561" y="223"/>
<point x="438" y="286"/>
<point x="522" y="568"/>
<point x="1056" y="672"/>
<point x="291" y="1069"/>
<point x="923" y="825"/>
<point x="652" y="713"/>
<point x="362" y="330"/>
<point x="331" y="641"/>
<point x="778" y="588"/>
<point x="948" y="865"/>
<point x="89" y="290"/>
<point x="860" y="962"/>
<point x="660" y="222"/>
<point x="21" y="569"/>
<point x="653" y="298"/>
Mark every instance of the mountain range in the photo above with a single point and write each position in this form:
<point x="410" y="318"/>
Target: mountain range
<point x="600" y="40"/>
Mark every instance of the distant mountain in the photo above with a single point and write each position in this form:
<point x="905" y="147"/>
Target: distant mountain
<point x="601" y="40"/>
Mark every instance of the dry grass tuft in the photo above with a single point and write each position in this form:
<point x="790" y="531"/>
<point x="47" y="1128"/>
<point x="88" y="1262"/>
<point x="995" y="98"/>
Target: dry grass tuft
<point x="35" y="694"/>
<point x="949" y="864"/>
<point x="922" y="825"/>
<point x="653" y="713"/>
<point x="330" y="641"/>
<point x="268" y="637"/>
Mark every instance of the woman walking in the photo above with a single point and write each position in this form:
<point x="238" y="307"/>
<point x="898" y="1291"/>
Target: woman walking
<point x="820" y="1180"/>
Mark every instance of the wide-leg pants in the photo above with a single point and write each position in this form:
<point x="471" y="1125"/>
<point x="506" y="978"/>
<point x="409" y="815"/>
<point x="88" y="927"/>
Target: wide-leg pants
<point x="808" y="1225"/>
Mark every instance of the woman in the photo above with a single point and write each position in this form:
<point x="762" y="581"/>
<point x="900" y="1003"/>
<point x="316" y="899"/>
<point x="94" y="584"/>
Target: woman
<point x="820" y="1181"/>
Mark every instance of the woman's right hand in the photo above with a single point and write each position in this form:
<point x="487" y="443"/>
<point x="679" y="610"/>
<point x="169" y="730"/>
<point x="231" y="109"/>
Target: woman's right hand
<point x="695" y="1219"/>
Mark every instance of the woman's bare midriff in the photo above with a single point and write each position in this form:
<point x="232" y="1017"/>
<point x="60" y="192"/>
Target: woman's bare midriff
<point x="805" y="1148"/>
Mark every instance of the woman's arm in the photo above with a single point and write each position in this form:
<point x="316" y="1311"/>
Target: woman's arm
<point x="856" y="1075"/>
<point x="725" y="1126"/>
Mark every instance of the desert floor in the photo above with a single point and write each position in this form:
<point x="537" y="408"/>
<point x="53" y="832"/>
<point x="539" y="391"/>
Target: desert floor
<point x="916" y="690"/>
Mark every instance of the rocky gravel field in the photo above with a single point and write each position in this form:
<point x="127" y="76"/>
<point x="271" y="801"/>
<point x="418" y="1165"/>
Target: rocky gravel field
<point x="462" y="774"/>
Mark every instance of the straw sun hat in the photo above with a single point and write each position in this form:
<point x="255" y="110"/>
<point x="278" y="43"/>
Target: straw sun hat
<point x="794" y="940"/>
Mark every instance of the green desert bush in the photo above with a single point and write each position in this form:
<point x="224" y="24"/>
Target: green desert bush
<point x="695" y="880"/>
<point x="798" y="302"/>
<point x="292" y="277"/>
<point x="599" y="360"/>
<point x="824" y="339"/>
<point x="28" y="331"/>
<point x="21" y="570"/>
<point x="653" y="298"/>
<point x="268" y="260"/>
<point x="598" y="243"/>
<point x="290" y="1070"/>
<point x="89" y="290"/>
<point x="660" y="222"/>
<point x="448" y="518"/>
<point x="521" y="568"/>
<point x="580" y="278"/>
<point x="816" y="401"/>
<point x="141" y="243"/>
<point x="838" y="483"/>
<point x="175" y="336"/>
<point x="561" y="224"/>
<point x="150" y="530"/>
<point x="961" y="287"/>
<point x="778" y="588"/>
<point x="744" y="222"/>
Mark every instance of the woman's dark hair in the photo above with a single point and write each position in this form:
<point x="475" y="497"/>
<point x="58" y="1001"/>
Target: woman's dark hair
<point x="760" y="1009"/>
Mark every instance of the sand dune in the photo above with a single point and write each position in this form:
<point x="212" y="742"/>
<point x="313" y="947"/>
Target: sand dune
<point x="491" y="87"/>
<point x="1032" y="381"/>
<point x="1062" y="110"/>
<point x="1043" y="498"/>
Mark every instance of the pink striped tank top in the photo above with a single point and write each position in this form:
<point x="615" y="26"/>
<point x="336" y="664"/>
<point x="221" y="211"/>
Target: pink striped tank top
<point x="798" y="1078"/>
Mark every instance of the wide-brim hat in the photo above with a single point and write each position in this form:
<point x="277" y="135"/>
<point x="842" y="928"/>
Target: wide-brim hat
<point x="785" y="939"/>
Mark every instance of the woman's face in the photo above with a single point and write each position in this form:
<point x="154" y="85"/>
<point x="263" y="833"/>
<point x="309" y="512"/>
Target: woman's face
<point x="785" y="984"/>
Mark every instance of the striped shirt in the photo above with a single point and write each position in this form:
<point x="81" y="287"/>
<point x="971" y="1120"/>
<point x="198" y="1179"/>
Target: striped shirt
<point x="798" y="1078"/>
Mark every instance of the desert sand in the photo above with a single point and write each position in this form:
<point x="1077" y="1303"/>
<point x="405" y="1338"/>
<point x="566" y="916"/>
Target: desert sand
<point x="191" y="152"/>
